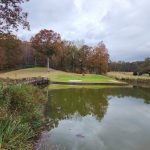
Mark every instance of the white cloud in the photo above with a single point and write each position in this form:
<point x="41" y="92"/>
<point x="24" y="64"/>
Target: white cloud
<point x="122" y="24"/>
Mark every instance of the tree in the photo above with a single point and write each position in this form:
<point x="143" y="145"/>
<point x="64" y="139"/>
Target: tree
<point x="10" y="52"/>
<point x="135" y="67"/>
<point x="84" y="51"/>
<point x="46" y="42"/>
<point x="2" y="58"/>
<point x="101" y="58"/>
<point x="59" y="58"/>
<point x="11" y="15"/>
<point x="72" y="50"/>
<point x="28" y="54"/>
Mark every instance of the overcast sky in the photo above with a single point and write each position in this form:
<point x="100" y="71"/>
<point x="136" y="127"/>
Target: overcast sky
<point x="123" y="25"/>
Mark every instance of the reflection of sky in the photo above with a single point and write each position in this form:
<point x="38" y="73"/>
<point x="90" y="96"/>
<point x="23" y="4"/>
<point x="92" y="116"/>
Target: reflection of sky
<point x="126" y="126"/>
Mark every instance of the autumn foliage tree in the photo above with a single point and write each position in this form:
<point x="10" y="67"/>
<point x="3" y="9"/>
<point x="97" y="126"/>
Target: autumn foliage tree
<point x="2" y="58"/>
<point x="71" y="56"/>
<point x="137" y="67"/>
<point x="47" y="46"/>
<point x="27" y="54"/>
<point x="83" y="59"/>
<point x="84" y="51"/>
<point x="59" y="58"/>
<point x="101" y="58"/>
<point x="10" y="53"/>
<point x="46" y="42"/>
<point x="11" y="15"/>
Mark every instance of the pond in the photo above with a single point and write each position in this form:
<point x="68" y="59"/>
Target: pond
<point x="97" y="119"/>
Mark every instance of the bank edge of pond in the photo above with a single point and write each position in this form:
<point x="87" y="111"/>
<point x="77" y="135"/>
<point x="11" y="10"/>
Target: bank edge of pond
<point x="62" y="86"/>
<point x="90" y="83"/>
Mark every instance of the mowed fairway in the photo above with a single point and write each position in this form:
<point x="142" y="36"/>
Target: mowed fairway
<point x="55" y="75"/>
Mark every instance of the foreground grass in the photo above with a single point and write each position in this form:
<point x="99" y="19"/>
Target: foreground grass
<point x="55" y="75"/>
<point x="128" y="77"/>
<point x="20" y="116"/>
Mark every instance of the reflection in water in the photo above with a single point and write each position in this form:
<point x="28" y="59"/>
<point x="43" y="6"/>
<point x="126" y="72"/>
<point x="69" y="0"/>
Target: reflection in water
<point x="98" y="119"/>
<point x="63" y="104"/>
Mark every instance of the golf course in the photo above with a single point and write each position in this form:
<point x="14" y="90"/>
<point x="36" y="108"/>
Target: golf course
<point x="57" y="76"/>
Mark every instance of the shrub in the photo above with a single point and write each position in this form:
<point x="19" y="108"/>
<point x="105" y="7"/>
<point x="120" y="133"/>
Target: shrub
<point x="135" y="73"/>
<point x="24" y="100"/>
<point x="20" y="116"/>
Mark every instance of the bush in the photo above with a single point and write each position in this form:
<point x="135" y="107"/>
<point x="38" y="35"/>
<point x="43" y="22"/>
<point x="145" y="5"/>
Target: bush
<point x="24" y="100"/>
<point x="24" y="105"/>
<point x="135" y="73"/>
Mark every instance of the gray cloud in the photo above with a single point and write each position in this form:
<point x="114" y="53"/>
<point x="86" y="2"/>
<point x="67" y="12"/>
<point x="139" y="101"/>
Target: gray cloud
<point x="122" y="24"/>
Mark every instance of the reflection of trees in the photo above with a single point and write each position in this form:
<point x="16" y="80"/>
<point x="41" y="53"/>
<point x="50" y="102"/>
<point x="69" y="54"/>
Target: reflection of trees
<point x="143" y="93"/>
<point x="64" y="103"/>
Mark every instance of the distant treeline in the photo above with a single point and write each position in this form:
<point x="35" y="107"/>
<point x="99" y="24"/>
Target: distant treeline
<point x="137" y="66"/>
<point x="66" y="55"/>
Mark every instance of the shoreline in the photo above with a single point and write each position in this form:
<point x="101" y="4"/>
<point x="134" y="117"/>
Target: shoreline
<point x="88" y="83"/>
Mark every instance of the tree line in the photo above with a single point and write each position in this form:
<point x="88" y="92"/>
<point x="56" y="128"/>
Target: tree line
<point x="136" y="67"/>
<point x="47" y="48"/>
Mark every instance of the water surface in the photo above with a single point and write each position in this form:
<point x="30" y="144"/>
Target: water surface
<point x="97" y="119"/>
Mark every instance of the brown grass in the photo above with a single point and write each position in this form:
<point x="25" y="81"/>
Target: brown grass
<point x="128" y="77"/>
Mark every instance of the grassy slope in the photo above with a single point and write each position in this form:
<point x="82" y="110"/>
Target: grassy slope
<point x="55" y="75"/>
<point x="143" y="80"/>
<point x="127" y="75"/>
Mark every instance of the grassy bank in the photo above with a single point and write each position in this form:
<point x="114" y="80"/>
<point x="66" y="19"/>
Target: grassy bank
<point x="128" y="77"/>
<point x="20" y="116"/>
<point x="58" y="76"/>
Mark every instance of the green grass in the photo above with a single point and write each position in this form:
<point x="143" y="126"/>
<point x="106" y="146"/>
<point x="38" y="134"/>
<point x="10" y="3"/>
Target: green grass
<point x="55" y="75"/>
<point x="15" y="135"/>
<point x="21" y="116"/>
<point x="85" y="78"/>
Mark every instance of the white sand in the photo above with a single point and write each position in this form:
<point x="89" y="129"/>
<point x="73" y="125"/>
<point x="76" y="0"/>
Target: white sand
<point x="75" y="80"/>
